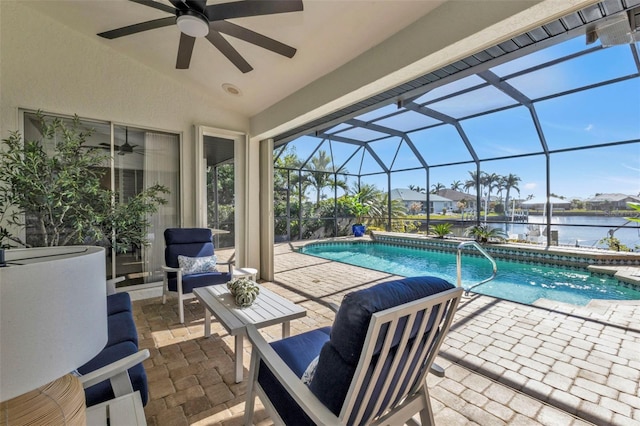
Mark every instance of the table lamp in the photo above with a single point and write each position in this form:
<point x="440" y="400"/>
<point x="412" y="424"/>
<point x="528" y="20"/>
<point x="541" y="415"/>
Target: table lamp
<point x="53" y="319"/>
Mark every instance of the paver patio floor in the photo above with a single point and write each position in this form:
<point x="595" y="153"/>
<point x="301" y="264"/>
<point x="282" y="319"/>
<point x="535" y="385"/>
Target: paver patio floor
<point x="505" y="363"/>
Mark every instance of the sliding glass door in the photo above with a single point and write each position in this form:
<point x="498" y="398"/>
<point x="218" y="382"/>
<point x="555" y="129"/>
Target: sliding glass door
<point x="142" y="159"/>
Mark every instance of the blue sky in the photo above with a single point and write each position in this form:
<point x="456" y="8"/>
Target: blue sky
<point x="601" y="115"/>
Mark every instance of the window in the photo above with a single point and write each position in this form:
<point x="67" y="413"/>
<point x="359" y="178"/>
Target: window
<point x="137" y="161"/>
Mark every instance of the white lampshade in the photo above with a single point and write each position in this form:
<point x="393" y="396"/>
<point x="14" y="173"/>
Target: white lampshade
<point x="53" y="314"/>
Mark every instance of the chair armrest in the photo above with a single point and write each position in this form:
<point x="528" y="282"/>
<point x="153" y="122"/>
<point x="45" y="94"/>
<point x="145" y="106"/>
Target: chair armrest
<point x="171" y="269"/>
<point x="111" y="284"/>
<point x="300" y="392"/>
<point x="436" y="370"/>
<point x="230" y="264"/>
<point x="114" y="369"/>
<point x="334" y="307"/>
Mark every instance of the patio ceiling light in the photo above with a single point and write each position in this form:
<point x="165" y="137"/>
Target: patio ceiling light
<point x="231" y="89"/>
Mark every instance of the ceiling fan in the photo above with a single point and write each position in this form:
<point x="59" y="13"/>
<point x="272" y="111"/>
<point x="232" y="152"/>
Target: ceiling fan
<point x="125" y="148"/>
<point x="195" y="19"/>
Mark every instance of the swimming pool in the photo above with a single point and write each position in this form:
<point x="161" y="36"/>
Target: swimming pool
<point x="519" y="282"/>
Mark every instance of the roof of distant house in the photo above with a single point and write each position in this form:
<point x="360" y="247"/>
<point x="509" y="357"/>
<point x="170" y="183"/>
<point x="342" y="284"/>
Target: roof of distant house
<point x="613" y="197"/>
<point x="405" y="194"/>
<point x="454" y="195"/>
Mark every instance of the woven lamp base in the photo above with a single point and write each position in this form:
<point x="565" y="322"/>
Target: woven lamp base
<point x="60" y="402"/>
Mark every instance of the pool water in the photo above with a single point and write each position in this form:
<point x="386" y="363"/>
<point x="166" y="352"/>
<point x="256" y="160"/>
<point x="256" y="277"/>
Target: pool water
<point x="519" y="282"/>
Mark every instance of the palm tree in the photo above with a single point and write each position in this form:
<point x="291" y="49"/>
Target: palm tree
<point x="318" y="177"/>
<point x="437" y="187"/>
<point x="510" y="182"/>
<point x="338" y="183"/>
<point x="377" y="201"/>
<point x="456" y="185"/>
<point x="368" y="192"/>
<point x="417" y="188"/>
<point x="473" y="182"/>
<point x="490" y="182"/>
<point x="378" y="214"/>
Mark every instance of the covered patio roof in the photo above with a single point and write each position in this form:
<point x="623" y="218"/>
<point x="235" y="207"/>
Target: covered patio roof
<point x="486" y="70"/>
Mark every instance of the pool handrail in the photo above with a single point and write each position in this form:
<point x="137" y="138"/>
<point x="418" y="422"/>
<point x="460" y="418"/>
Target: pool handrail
<point x="459" y="264"/>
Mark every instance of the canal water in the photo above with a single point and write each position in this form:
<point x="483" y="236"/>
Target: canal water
<point x="583" y="231"/>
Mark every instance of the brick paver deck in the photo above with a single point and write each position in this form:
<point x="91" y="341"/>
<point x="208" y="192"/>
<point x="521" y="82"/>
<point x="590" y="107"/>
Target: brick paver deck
<point x="506" y="363"/>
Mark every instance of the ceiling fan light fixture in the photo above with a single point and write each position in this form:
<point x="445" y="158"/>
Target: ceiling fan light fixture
<point x="192" y="24"/>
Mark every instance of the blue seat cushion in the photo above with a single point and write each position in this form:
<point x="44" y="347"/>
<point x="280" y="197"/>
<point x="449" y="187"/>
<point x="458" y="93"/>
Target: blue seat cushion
<point x="102" y="391"/>
<point x="297" y="352"/>
<point x="189" y="282"/>
<point x="121" y="328"/>
<point x="339" y="356"/>
<point x="118" y="302"/>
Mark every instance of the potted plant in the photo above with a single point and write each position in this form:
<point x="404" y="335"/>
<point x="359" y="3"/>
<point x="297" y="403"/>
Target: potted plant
<point x="53" y="186"/>
<point x="357" y="208"/>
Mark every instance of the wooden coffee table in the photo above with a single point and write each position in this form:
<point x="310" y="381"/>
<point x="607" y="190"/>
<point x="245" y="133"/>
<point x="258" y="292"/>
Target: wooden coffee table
<point x="268" y="309"/>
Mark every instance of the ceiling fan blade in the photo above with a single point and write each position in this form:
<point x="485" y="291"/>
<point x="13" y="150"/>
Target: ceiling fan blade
<point x="227" y="50"/>
<point x="241" y="9"/>
<point x="155" y="5"/>
<point x="138" y="28"/>
<point x="107" y="147"/>
<point x="253" y="37"/>
<point x="185" y="49"/>
<point x="180" y="5"/>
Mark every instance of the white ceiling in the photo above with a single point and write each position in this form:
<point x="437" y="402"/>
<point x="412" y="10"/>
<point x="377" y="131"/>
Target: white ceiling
<point x="327" y="34"/>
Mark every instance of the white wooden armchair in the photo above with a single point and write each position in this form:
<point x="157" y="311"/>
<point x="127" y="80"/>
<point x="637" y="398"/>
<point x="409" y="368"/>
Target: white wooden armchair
<point x="372" y="363"/>
<point x="190" y="243"/>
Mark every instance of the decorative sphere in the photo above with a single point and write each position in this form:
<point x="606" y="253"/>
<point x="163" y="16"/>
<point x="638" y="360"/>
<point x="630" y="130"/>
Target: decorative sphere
<point x="244" y="290"/>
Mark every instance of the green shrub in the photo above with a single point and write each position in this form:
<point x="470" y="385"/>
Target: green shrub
<point x="441" y="230"/>
<point x="484" y="233"/>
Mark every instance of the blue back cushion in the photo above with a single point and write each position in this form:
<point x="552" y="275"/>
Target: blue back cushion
<point x="121" y="328"/>
<point x="118" y="302"/>
<point x="339" y="357"/>
<point x="192" y="242"/>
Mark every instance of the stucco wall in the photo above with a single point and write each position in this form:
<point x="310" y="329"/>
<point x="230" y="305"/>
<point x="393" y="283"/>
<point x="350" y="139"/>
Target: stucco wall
<point x="46" y="65"/>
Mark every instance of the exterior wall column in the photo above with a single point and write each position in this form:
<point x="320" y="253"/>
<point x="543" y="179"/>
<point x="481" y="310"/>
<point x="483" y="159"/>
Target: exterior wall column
<point x="266" y="210"/>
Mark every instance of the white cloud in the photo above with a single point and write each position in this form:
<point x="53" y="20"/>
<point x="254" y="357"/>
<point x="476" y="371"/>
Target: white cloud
<point x="530" y="186"/>
<point x="635" y="169"/>
<point x="589" y="127"/>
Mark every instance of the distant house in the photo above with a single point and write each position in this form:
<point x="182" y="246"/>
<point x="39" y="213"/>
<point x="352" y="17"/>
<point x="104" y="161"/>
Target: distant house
<point x="437" y="203"/>
<point x="457" y="196"/>
<point x="540" y="203"/>
<point x="610" y="201"/>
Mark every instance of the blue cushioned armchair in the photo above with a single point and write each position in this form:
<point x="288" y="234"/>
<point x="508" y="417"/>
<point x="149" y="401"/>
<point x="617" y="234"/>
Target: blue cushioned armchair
<point x="371" y="364"/>
<point x="118" y="369"/>
<point x="193" y="243"/>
